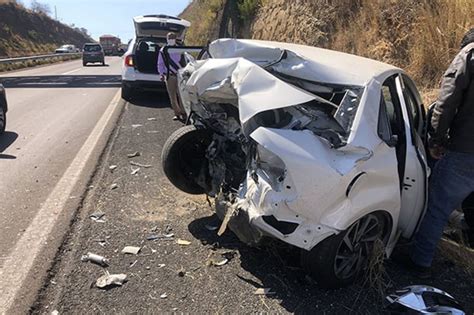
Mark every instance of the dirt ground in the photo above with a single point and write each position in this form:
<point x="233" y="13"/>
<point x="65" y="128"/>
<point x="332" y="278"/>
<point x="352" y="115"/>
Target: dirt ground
<point x="168" y="277"/>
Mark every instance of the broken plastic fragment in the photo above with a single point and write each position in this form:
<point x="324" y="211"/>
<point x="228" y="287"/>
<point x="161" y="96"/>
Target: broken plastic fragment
<point x="139" y="165"/>
<point x="183" y="242"/>
<point x="96" y="259"/>
<point x="97" y="217"/>
<point x="110" y="280"/>
<point x="264" y="291"/>
<point x="136" y="126"/>
<point x="133" y="250"/>
<point x="164" y="296"/>
<point x="219" y="263"/>
<point x="134" y="154"/>
<point x="154" y="237"/>
<point x="135" y="171"/>
<point x="112" y="167"/>
<point x="151" y="119"/>
<point x="113" y="186"/>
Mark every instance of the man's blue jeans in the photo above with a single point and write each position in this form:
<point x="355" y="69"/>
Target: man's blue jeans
<point x="452" y="181"/>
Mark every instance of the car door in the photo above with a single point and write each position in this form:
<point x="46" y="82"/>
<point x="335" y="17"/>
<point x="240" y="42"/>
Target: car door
<point x="415" y="179"/>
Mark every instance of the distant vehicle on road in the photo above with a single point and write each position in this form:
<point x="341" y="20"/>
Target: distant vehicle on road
<point x="3" y="109"/>
<point x="111" y="44"/>
<point x="92" y="53"/>
<point x="139" y="70"/>
<point x="64" y="49"/>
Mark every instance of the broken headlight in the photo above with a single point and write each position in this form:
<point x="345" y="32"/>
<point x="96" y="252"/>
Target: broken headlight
<point x="271" y="166"/>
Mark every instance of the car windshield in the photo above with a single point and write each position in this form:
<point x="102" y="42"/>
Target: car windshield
<point x="92" y="48"/>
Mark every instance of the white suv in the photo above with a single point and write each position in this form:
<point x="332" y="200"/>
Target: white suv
<point x="139" y="70"/>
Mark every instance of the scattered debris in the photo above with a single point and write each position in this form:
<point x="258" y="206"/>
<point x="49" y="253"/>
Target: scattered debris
<point x="153" y="131"/>
<point x="113" y="186"/>
<point x="181" y="272"/>
<point x="136" y="126"/>
<point x="133" y="264"/>
<point x="164" y="296"/>
<point x="135" y="171"/>
<point x="134" y="154"/>
<point x="55" y="312"/>
<point x="219" y="263"/>
<point x="161" y="265"/>
<point x="211" y="227"/>
<point x="152" y="119"/>
<point x="154" y="237"/>
<point x="133" y="250"/>
<point x="183" y="242"/>
<point x="140" y="165"/>
<point x="97" y="217"/>
<point x="264" y="291"/>
<point x="112" y="167"/>
<point x="108" y="280"/>
<point x="96" y="259"/>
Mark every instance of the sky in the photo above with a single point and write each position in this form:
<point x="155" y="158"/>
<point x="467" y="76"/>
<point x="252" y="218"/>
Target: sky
<point x="109" y="16"/>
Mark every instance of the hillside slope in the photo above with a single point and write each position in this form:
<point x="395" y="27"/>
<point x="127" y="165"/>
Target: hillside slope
<point x="23" y="32"/>
<point x="420" y="36"/>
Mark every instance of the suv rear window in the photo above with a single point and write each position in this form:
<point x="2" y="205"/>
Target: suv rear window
<point x="92" y="48"/>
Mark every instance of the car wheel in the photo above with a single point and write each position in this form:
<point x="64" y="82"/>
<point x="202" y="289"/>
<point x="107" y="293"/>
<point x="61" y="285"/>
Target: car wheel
<point x="184" y="159"/>
<point x="84" y="64"/>
<point x="338" y="260"/>
<point x="127" y="92"/>
<point x="3" y="120"/>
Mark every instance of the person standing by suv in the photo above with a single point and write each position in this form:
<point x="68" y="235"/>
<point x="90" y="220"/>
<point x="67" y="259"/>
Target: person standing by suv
<point x="168" y="68"/>
<point x="452" y="143"/>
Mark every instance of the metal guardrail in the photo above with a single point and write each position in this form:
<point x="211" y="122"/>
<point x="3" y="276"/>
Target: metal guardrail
<point x="41" y="57"/>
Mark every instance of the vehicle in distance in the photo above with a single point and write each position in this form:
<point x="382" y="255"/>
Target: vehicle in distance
<point x="3" y="109"/>
<point x="65" y="49"/>
<point x="111" y="44"/>
<point x="297" y="144"/>
<point x="140" y="70"/>
<point x="92" y="53"/>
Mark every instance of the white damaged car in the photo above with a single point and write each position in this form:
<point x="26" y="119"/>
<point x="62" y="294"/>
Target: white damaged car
<point x="319" y="149"/>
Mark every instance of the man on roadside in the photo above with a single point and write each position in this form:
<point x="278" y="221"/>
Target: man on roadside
<point x="168" y="67"/>
<point x="451" y="142"/>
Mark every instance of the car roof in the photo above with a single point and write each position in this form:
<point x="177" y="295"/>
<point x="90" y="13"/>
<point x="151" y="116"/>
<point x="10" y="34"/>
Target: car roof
<point x="161" y="18"/>
<point x="324" y="65"/>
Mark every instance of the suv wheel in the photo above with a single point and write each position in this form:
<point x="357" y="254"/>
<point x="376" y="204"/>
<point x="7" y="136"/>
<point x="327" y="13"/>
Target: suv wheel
<point x="127" y="92"/>
<point x="3" y="119"/>
<point x="84" y="63"/>
<point x="338" y="260"/>
<point x="184" y="159"/>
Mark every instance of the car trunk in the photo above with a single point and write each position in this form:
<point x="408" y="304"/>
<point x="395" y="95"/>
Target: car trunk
<point x="159" y="28"/>
<point x="146" y="54"/>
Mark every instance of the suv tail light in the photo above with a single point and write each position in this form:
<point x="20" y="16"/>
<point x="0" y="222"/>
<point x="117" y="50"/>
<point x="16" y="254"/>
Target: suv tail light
<point x="129" y="61"/>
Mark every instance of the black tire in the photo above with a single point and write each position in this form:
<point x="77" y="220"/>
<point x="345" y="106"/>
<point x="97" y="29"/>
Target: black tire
<point x="3" y="119"/>
<point x="127" y="92"/>
<point x="183" y="158"/>
<point x="84" y="64"/>
<point x="321" y="262"/>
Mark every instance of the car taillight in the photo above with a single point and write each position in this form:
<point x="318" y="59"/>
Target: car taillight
<point x="129" y="61"/>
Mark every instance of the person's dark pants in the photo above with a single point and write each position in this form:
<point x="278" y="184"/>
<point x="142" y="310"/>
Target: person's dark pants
<point x="451" y="182"/>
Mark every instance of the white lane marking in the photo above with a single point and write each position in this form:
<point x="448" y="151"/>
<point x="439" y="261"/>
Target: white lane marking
<point x="20" y="261"/>
<point x="70" y="72"/>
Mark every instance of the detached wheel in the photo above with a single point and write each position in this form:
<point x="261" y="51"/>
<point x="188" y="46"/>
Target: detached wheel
<point x="338" y="260"/>
<point x="127" y="92"/>
<point x="184" y="159"/>
<point x="3" y="119"/>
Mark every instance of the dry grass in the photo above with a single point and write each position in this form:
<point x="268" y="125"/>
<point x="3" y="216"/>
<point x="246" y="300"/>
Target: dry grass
<point x="203" y="14"/>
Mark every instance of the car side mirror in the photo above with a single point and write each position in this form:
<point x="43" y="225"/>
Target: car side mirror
<point x="393" y="141"/>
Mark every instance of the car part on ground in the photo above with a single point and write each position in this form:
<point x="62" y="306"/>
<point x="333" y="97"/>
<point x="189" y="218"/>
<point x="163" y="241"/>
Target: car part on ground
<point x="419" y="299"/>
<point x="305" y="148"/>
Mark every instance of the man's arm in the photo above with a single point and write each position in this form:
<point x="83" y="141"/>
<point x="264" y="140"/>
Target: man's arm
<point x="455" y="82"/>
<point x="161" y="63"/>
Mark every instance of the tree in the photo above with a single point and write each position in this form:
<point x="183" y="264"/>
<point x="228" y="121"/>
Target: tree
<point x="41" y="8"/>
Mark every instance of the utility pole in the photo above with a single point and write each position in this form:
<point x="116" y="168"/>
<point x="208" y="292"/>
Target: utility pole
<point x="56" y="13"/>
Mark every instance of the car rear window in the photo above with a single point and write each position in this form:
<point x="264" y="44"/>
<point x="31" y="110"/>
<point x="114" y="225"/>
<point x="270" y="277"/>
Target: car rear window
<point x="92" y="48"/>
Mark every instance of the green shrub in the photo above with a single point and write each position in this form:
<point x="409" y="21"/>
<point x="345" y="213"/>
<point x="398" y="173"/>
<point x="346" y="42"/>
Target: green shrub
<point x="248" y="8"/>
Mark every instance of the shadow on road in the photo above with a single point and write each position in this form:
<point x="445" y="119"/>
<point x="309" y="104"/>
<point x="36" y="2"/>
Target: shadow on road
<point x="62" y="81"/>
<point x="277" y="267"/>
<point x="6" y="140"/>
<point x="150" y="99"/>
<point x="96" y="65"/>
